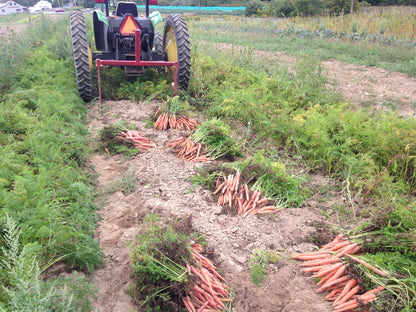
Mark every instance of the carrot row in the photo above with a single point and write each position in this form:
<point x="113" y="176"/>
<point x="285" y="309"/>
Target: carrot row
<point x="327" y="265"/>
<point x="165" y="121"/>
<point x="235" y="196"/>
<point x="209" y="291"/>
<point x="188" y="149"/>
<point x="137" y="139"/>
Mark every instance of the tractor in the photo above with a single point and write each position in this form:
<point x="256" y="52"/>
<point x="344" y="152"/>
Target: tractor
<point x="129" y="41"/>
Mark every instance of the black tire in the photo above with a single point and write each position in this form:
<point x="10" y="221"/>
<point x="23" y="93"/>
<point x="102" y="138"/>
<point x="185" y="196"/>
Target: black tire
<point x="158" y="43"/>
<point x="82" y="55"/>
<point x="176" y="45"/>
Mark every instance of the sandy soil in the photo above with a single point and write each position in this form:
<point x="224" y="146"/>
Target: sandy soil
<point x="163" y="187"/>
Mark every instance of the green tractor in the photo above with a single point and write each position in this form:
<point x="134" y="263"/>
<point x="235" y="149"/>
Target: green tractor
<point x="116" y="38"/>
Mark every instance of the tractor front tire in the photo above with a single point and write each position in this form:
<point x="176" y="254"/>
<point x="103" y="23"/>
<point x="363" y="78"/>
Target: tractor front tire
<point x="82" y="56"/>
<point x="177" y="47"/>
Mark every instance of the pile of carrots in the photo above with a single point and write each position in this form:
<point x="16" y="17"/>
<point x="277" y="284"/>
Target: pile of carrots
<point x="245" y="201"/>
<point x="209" y="291"/>
<point x="327" y="265"/>
<point x="188" y="149"/>
<point x="166" y="120"/>
<point x="137" y="139"/>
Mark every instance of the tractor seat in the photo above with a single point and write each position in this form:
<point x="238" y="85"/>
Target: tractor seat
<point x="126" y="7"/>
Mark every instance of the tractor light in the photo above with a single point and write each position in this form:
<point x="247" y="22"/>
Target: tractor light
<point x="128" y="26"/>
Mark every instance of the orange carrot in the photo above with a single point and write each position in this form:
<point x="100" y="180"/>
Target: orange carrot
<point x="346" y="296"/>
<point x="333" y="282"/>
<point x="375" y="290"/>
<point x="333" y="293"/>
<point x="328" y="269"/>
<point x="321" y="261"/>
<point x="339" y="245"/>
<point x="351" y="283"/>
<point x="366" y="298"/>
<point x="350" y="305"/>
<point x="374" y="269"/>
<point x="311" y="257"/>
<point x="347" y="250"/>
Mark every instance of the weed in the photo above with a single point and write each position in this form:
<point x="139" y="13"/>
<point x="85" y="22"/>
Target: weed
<point x="258" y="263"/>
<point x="27" y="291"/>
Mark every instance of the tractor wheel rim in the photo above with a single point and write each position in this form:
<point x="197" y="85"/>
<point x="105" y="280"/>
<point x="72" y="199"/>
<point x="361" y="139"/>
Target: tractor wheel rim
<point x="171" y="49"/>
<point x="90" y="57"/>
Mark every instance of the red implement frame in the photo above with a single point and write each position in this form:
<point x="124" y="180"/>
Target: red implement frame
<point x="137" y="62"/>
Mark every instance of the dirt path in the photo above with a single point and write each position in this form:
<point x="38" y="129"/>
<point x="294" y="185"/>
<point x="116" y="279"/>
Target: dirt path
<point x="163" y="187"/>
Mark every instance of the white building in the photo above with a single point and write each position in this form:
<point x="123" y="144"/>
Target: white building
<point x="40" y="6"/>
<point x="11" y="7"/>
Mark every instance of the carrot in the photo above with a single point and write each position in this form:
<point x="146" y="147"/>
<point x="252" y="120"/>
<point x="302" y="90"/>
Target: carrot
<point x="220" y="187"/>
<point x="188" y="304"/>
<point x="331" y="283"/>
<point x="314" y="268"/>
<point x="375" y="290"/>
<point x="331" y="295"/>
<point x="341" y="299"/>
<point x="366" y="298"/>
<point x="352" y="304"/>
<point x="326" y="261"/>
<point x="328" y="269"/>
<point x="339" y="245"/>
<point x="203" y="306"/>
<point x="348" y="249"/>
<point x="310" y="257"/>
<point x="347" y="295"/>
<point x="374" y="269"/>
<point x="246" y="191"/>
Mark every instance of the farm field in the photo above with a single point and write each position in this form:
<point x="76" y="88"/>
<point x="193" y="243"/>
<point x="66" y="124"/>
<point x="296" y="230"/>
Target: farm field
<point x="337" y="139"/>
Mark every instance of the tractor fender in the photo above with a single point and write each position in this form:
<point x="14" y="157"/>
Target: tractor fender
<point x="100" y="23"/>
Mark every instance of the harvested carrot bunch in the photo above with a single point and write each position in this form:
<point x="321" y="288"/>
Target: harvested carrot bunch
<point x="327" y="264"/>
<point x="138" y="140"/>
<point x="209" y="291"/>
<point x="172" y="114"/>
<point x="187" y="149"/>
<point x="165" y="121"/>
<point x="246" y="201"/>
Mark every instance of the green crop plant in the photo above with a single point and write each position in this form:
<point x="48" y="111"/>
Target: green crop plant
<point x="158" y="259"/>
<point x="216" y="135"/>
<point x="271" y="179"/>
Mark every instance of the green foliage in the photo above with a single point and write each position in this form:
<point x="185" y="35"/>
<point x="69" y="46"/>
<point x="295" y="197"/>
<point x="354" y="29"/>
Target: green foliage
<point x="24" y="288"/>
<point x="116" y="85"/>
<point x="254" y="7"/>
<point x="42" y="151"/>
<point x="111" y="142"/>
<point x="216" y="135"/>
<point x="272" y="180"/>
<point x="258" y="263"/>
<point x="158" y="260"/>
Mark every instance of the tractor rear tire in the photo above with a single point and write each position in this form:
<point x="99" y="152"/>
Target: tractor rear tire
<point x="176" y="45"/>
<point x="82" y="56"/>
